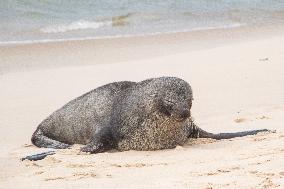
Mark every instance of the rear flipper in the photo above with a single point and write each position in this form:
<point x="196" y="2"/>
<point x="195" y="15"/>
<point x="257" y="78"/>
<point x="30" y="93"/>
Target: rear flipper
<point x="39" y="140"/>
<point x="40" y="156"/>
<point x="196" y="132"/>
<point x="219" y="136"/>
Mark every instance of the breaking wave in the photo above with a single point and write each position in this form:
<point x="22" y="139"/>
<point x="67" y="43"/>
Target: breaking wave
<point x="78" y="25"/>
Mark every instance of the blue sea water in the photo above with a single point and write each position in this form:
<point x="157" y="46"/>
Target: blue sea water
<point x="36" y="20"/>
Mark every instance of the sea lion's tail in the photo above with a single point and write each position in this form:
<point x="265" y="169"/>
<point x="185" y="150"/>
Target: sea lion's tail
<point x="197" y="132"/>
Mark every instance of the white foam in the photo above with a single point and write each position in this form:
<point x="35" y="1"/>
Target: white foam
<point x="78" y="25"/>
<point x="4" y="43"/>
<point x="233" y="25"/>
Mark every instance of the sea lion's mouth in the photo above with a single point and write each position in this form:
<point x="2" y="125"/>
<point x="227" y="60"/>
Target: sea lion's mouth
<point x="180" y="119"/>
<point x="181" y="115"/>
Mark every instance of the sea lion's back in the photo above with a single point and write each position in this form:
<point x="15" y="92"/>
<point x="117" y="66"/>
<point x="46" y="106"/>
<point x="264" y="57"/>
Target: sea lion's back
<point x="78" y="120"/>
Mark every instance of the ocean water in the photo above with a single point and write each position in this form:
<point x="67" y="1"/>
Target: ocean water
<point x="44" y="20"/>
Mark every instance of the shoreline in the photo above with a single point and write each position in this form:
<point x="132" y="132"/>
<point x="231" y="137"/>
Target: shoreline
<point x="43" y="41"/>
<point x="120" y="49"/>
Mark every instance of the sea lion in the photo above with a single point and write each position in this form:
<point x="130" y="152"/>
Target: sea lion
<point x="152" y="114"/>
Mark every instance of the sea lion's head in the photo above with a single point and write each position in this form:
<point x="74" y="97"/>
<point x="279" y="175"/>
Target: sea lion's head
<point x="175" y="99"/>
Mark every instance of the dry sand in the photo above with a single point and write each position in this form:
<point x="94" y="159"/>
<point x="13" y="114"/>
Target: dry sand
<point x="237" y="78"/>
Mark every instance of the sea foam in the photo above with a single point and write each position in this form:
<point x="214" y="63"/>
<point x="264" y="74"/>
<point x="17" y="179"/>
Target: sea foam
<point x="77" y="25"/>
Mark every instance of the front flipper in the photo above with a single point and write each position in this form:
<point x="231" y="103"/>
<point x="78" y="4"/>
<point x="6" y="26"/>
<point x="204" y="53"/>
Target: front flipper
<point x="102" y="141"/>
<point x="94" y="147"/>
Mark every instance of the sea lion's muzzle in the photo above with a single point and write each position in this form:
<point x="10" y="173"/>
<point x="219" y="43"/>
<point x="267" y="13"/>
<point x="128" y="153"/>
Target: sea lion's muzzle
<point x="185" y="113"/>
<point x="180" y="113"/>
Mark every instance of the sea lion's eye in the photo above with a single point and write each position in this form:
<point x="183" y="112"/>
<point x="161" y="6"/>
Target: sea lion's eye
<point x="167" y="106"/>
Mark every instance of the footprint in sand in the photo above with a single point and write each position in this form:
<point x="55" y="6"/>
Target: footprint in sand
<point x="260" y="139"/>
<point x="108" y="175"/>
<point x="131" y="165"/>
<point x="31" y="164"/>
<point x="74" y="176"/>
<point x="51" y="159"/>
<point x="220" y="171"/>
<point x="137" y="165"/>
<point x="39" y="172"/>
<point x="263" y="117"/>
<point x="240" y="120"/>
<point x="85" y="165"/>
<point x="54" y="178"/>
<point x="267" y="183"/>
<point x="264" y="59"/>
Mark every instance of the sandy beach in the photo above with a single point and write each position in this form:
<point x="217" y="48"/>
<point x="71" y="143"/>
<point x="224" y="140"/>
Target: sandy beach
<point x="237" y="77"/>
